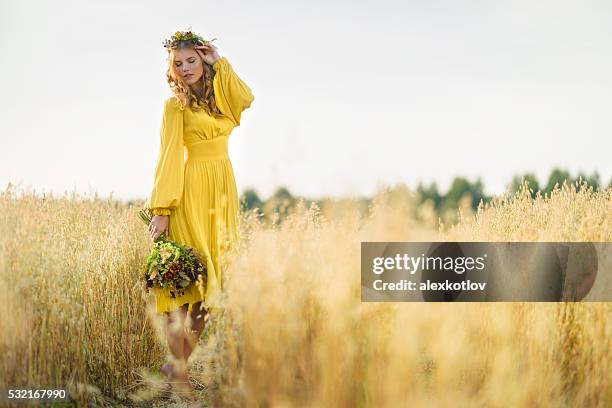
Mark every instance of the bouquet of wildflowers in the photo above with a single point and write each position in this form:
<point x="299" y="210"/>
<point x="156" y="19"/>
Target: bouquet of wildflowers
<point x="171" y="265"/>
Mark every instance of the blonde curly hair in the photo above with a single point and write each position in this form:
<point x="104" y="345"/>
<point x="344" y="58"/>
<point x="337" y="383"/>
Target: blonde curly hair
<point x="205" y="99"/>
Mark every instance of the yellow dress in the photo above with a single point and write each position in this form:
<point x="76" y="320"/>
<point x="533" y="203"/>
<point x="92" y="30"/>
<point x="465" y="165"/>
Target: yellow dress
<point x="194" y="182"/>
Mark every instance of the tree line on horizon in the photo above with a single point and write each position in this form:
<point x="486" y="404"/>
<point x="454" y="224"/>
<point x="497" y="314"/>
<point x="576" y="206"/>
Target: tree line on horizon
<point x="281" y="202"/>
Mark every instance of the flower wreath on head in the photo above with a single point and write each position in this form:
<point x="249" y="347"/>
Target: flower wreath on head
<point x="185" y="36"/>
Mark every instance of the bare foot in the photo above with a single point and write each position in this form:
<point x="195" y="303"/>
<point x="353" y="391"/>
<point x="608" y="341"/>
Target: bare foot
<point x="167" y="370"/>
<point x="185" y="391"/>
<point x="181" y="385"/>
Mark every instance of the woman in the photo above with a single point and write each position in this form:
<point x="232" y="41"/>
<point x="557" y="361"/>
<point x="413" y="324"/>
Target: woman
<point x="194" y="200"/>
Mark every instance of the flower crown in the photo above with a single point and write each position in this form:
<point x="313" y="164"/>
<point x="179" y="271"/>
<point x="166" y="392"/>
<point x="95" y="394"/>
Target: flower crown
<point x="185" y="36"/>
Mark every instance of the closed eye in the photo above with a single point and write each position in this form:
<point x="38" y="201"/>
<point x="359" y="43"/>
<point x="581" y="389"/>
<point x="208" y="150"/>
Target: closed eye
<point x="190" y="60"/>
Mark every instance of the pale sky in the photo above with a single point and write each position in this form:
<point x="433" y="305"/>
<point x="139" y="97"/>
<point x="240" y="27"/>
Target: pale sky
<point x="349" y="95"/>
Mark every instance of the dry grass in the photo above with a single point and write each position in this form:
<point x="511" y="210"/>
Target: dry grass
<point x="295" y="332"/>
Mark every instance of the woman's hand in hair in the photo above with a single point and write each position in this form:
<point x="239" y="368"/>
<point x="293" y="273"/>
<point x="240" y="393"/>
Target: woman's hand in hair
<point x="208" y="52"/>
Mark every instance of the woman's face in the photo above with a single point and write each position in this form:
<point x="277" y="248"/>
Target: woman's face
<point x="188" y="64"/>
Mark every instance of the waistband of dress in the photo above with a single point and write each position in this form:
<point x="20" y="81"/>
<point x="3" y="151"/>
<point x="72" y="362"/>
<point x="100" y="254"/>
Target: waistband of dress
<point x="208" y="149"/>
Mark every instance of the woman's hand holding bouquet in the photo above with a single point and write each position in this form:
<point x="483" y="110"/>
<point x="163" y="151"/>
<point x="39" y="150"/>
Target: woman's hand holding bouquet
<point x="169" y="265"/>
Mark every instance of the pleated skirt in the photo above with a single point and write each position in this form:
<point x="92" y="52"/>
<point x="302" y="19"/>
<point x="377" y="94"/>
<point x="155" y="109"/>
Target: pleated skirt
<point x="206" y="220"/>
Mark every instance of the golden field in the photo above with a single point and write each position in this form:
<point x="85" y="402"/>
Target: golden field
<point x="295" y="334"/>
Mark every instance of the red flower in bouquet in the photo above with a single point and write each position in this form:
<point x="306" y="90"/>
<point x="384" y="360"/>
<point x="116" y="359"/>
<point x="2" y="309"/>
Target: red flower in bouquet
<point x="173" y="270"/>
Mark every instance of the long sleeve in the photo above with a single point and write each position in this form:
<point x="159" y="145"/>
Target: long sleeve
<point x="169" y="171"/>
<point x="232" y="95"/>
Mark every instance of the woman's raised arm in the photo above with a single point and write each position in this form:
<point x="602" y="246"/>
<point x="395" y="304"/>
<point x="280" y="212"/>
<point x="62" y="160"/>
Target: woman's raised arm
<point x="232" y="95"/>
